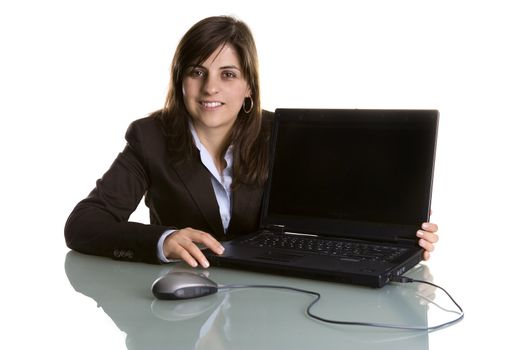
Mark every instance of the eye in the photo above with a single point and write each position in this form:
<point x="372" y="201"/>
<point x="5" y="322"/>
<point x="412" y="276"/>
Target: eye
<point x="229" y="74"/>
<point x="197" y="73"/>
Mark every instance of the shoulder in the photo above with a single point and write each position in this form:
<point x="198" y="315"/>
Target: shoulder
<point x="149" y="126"/>
<point x="145" y="137"/>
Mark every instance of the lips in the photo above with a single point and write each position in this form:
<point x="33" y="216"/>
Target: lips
<point x="211" y="104"/>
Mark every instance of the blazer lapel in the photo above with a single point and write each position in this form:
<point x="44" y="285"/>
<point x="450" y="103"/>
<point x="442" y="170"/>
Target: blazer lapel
<point x="246" y="210"/>
<point x="197" y="180"/>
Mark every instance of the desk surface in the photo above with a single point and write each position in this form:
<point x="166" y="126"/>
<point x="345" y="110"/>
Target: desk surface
<point x="250" y="318"/>
<point x="97" y="303"/>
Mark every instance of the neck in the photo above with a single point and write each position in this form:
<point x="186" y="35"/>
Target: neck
<point x="214" y="141"/>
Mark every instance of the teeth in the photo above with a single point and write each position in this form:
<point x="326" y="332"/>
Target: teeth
<point x="211" y="104"/>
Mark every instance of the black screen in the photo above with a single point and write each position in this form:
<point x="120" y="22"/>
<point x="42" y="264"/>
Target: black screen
<point x="353" y="166"/>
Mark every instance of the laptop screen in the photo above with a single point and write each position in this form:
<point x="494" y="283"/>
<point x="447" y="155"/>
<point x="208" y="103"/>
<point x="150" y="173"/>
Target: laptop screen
<point x="351" y="172"/>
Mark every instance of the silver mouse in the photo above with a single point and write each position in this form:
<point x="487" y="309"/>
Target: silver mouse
<point x="183" y="285"/>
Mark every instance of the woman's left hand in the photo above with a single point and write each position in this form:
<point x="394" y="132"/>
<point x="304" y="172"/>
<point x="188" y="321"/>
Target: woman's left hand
<point x="428" y="236"/>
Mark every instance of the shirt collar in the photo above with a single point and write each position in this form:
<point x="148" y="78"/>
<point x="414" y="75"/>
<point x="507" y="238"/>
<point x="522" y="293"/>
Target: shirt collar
<point x="206" y="157"/>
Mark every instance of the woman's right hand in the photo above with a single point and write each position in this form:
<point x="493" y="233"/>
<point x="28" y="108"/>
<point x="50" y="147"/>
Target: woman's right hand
<point x="183" y="245"/>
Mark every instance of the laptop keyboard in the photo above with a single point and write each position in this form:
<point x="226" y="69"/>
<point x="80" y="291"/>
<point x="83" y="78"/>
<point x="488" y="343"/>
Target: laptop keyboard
<point x="349" y="250"/>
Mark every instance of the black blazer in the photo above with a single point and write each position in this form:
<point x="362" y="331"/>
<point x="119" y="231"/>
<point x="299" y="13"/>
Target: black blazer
<point x="177" y="196"/>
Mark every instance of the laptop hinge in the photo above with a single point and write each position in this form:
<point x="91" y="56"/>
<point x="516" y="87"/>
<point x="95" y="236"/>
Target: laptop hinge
<point x="404" y="240"/>
<point x="281" y="229"/>
<point x="276" y="228"/>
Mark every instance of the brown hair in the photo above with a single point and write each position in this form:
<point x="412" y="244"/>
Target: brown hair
<point x="201" y="40"/>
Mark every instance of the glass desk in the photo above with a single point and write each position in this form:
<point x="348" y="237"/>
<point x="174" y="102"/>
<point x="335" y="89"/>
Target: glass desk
<point x="253" y="318"/>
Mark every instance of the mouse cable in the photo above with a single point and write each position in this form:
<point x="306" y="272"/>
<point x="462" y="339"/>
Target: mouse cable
<point x="401" y="279"/>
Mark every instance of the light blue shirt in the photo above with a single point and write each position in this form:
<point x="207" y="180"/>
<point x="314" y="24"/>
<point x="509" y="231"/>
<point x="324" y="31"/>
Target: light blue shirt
<point x="221" y="182"/>
<point x="221" y="186"/>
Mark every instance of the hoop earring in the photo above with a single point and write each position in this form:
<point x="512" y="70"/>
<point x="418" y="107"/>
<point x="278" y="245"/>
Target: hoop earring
<point x="247" y="111"/>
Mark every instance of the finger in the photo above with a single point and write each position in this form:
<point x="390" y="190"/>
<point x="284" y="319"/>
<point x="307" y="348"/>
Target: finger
<point x="429" y="247"/>
<point x="192" y="249"/>
<point x="426" y="255"/>
<point x="428" y="226"/>
<point x="183" y="254"/>
<point x="428" y="236"/>
<point x="192" y="236"/>
<point x="181" y="246"/>
<point x="207" y="240"/>
<point x="184" y="245"/>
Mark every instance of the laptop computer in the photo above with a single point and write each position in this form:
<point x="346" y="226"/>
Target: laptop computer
<point x="346" y="193"/>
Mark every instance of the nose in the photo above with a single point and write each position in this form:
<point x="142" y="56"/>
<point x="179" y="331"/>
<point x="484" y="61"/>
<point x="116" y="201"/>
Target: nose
<point x="211" y="85"/>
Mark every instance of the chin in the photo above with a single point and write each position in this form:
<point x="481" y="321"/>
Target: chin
<point x="216" y="121"/>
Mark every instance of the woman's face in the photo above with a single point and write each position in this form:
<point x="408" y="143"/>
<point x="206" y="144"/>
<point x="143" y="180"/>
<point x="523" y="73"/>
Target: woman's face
<point x="214" y="91"/>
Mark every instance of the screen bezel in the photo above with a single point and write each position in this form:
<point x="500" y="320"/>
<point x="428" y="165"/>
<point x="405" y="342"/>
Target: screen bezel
<point x="348" y="228"/>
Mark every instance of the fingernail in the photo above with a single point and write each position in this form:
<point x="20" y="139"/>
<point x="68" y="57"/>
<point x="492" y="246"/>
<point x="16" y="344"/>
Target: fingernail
<point x="206" y="264"/>
<point x="419" y="233"/>
<point x="221" y="249"/>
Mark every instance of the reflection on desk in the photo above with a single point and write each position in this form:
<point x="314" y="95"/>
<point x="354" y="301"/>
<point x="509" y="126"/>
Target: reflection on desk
<point x="248" y="318"/>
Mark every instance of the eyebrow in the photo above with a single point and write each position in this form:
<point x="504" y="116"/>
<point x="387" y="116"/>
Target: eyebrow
<point x="230" y="67"/>
<point x="223" y="67"/>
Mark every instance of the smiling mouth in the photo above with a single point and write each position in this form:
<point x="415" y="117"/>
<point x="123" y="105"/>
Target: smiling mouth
<point x="211" y="104"/>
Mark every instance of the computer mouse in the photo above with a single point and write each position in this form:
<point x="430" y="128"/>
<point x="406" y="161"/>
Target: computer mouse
<point x="182" y="285"/>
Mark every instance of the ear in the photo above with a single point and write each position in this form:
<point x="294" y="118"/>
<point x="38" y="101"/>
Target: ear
<point x="248" y="92"/>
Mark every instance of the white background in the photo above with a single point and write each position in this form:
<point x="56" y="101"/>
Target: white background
<point x="74" y="74"/>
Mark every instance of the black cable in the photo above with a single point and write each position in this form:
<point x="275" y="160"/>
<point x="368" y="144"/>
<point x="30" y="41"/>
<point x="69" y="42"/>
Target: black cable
<point x="401" y="279"/>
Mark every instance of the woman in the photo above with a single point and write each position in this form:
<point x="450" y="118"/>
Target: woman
<point x="201" y="161"/>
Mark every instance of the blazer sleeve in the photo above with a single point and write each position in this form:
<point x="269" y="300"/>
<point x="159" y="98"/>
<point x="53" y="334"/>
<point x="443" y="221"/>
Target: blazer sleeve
<point x="99" y="224"/>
